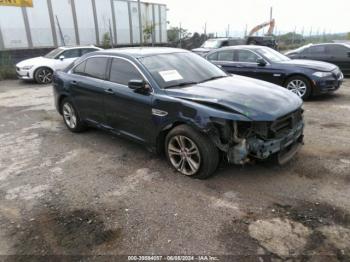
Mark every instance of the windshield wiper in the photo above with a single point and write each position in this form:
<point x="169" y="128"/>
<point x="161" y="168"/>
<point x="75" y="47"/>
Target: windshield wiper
<point x="212" y="78"/>
<point x="181" y="84"/>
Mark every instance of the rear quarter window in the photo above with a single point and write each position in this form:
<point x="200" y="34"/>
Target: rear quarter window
<point x="96" y="67"/>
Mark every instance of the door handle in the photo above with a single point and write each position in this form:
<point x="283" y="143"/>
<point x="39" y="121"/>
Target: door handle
<point x="74" y="82"/>
<point x="109" y="91"/>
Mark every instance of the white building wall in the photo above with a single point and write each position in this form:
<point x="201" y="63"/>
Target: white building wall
<point x="39" y="22"/>
<point x="12" y="27"/>
<point x="85" y="20"/>
<point x="122" y="22"/>
<point x="135" y="22"/>
<point x="63" y="10"/>
<point x="104" y="17"/>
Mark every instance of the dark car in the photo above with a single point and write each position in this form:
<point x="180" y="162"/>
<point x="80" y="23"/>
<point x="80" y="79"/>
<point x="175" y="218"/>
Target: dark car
<point x="215" y="43"/>
<point x="268" y="41"/>
<point x="174" y="101"/>
<point x="338" y="54"/>
<point x="304" y="77"/>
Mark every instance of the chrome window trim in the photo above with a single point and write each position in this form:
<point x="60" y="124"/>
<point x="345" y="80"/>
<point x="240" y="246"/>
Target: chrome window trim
<point x="107" y="80"/>
<point x="237" y="62"/>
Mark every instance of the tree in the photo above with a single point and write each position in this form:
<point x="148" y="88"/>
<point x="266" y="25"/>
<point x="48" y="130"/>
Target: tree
<point x="106" y="40"/>
<point x="175" y="32"/>
<point x="147" y="32"/>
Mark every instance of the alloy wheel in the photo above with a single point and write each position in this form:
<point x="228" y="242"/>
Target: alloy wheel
<point x="45" y="76"/>
<point x="69" y="115"/>
<point x="184" y="155"/>
<point x="298" y="87"/>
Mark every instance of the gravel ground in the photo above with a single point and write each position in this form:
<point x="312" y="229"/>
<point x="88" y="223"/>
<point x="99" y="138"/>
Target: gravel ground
<point x="96" y="194"/>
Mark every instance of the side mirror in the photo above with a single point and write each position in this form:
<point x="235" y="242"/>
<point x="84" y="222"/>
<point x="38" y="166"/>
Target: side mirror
<point x="61" y="57"/>
<point x="261" y="62"/>
<point x="137" y="84"/>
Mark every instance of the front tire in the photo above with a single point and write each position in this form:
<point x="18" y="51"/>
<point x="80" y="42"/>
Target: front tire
<point x="300" y="86"/>
<point x="71" y="117"/>
<point x="43" y="76"/>
<point x="191" y="153"/>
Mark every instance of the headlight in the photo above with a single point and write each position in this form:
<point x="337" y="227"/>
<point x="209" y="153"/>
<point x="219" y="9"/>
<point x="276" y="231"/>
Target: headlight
<point x="322" y="74"/>
<point x="27" y="67"/>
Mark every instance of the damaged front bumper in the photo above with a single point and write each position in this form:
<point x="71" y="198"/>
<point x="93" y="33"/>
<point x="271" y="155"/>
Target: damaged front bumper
<point x="284" y="147"/>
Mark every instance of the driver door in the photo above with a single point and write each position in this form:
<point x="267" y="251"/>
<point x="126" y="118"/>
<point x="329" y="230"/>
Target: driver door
<point x="127" y="111"/>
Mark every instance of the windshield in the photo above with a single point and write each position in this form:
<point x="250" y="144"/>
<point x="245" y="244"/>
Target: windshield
<point x="53" y="53"/>
<point x="173" y="70"/>
<point x="212" y="44"/>
<point x="273" y="55"/>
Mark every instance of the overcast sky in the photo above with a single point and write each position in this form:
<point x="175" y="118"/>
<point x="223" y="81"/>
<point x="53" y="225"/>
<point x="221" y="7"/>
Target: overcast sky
<point x="330" y="15"/>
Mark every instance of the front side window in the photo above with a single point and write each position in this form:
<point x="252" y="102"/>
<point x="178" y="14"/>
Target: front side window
<point x="80" y="69"/>
<point x="96" y="67"/>
<point x="225" y="55"/>
<point x="87" y="50"/>
<point x="213" y="57"/>
<point x="319" y="49"/>
<point x="123" y="71"/>
<point x="171" y="70"/>
<point x="246" y="56"/>
<point x="273" y="55"/>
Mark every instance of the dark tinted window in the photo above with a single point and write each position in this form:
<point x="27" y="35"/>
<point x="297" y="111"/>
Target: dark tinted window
<point x="71" y="53"/>
<point x="246" y="56"/>
<point x="87" y="50"/>
<point x="319" y="49"/>
<point x="213" y="56"/>
<point x="96" y="67"/>
<point x="225" y="55"/>
<point x="337" y="50"/>
<point x="123" y="71"/>
<point x="80" y="69"/>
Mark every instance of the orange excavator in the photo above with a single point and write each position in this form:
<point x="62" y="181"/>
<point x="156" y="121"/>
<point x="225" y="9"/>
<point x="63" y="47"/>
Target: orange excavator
<point x="267" y="40"/>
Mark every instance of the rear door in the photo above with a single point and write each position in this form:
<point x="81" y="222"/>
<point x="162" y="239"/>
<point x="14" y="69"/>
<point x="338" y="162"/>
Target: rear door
<point x="224" y="60"/>
<point x="127" y="111"/>
<point x="87" y="88"/>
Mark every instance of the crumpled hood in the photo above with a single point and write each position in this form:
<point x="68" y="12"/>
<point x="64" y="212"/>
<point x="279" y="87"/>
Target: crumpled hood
<point x="311" y="64"/>
<point x="34" y="61"/>
<point x="255" y="99"/>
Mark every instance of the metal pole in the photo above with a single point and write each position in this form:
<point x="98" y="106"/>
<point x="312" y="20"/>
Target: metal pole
<point x="52" y="23"/>
<point x="97" y="31"/>
<point x="140" y="21"/>
<point x="27" y="27"/>
<point x="60" y="31"/>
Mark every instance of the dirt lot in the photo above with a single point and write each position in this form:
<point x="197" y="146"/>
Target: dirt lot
<point x="96" y="194"/>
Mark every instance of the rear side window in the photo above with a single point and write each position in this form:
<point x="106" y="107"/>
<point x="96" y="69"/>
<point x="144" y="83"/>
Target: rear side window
<point x="87" y="50"/>
<point x="96" y="67"/>
<point x="73" y="53"/>
<point x="225" y="55"/>
<point x="123" y="71"/>
<point x="246" y="56"/>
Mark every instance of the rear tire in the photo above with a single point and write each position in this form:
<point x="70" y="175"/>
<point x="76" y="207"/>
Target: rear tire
<point x="43" y="75"/>
<point x="300" y="86"/>
<point x="71" y="117"/>
<point x="191" y="153"/>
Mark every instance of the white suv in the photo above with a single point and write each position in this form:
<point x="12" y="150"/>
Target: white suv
<point x="41" y="68"/>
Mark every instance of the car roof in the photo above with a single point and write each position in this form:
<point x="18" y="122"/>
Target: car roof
<point x="342" y="44"/>
<point x="76" y="47"/>
<point x="138" y="52"/>
<point x="251" y="47"/>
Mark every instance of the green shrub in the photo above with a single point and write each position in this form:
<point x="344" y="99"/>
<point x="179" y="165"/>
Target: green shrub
<point x="7" y="72"/>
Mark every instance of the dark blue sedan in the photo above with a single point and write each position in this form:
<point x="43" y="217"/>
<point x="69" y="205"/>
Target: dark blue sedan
<point x="176" y="102"/>
<point x="304" y="77"/>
